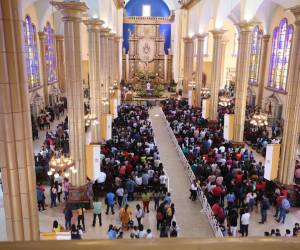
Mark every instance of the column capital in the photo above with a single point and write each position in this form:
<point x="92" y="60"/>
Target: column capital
<point x="111" y="35"/>
<point x="93" y="24"/>
<point x="71" y="10"/>
<point x="105" y="31"/>
<point x="296" y="12"/>
<point x="246" y="26"/>
<point x="266" y="37"/>
<point x="42" y="35"/>
<point x="187" y="39"/>
<point x="118" y="38"/>
<point x="218" y="33"/>
<point x="59" y="37"/>
<point x="201" y="36"/>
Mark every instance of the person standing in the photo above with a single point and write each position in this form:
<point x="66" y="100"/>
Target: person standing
<point x="264" y="207"/>
<point x="146" y="196"/>
<point x="139" y="214"/>
<point x="53" y="195"/>
<point x="245" y="221"/>
<point x="68" y="217"/>
<point x="66" y="185"/>
<point x="59" y="191"/>
<point x="125" y="215"/>
<point x="120" y="194"/>
<point x="97" y="211"/>
<point x="80" y="218"/>
<point x="40" y="198"/>
<point x="233" y="220"/>
<point x="194" y="189"/>
<point x="285" y="206"/>
<point x="110" y="202"/>
<point x="156" y="197"/>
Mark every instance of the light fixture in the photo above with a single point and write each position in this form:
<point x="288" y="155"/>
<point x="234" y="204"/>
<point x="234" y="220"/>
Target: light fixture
<point x="105" y="102"/>
<point x="205" y="93"/>
<point x="259" y="119"/>
<point x="59" y="165"/>
<point x="192" y="84"/>
<point x="225" y="101"/>
<point x="91" y="120"/>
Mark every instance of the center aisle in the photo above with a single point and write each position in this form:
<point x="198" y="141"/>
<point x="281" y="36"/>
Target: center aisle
<point x="191" y="221"/>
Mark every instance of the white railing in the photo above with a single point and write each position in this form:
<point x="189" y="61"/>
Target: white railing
<point x="206" y="208"/>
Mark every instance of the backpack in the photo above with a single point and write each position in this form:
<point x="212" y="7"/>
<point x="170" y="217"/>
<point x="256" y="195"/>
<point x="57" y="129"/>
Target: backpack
<point x="173" y="233"/>
<point x="159" y="216"/>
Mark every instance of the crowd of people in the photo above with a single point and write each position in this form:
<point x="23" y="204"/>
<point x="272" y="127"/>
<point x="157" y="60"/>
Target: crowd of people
<point x="229" y="176"/>
<point x="131" y="170"/>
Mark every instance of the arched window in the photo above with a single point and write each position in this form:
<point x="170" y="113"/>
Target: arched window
<point x="281" y="46"/>
<point x="50" y="54"/>
<point x="255" y="55"/>
<point x="32" y="59"/>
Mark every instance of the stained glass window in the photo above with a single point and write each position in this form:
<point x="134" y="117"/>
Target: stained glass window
<point x="50" y="54"/>
<point x="32" y="60"/>
<point x="281" y="46"/>
<point x="255" y="55"/>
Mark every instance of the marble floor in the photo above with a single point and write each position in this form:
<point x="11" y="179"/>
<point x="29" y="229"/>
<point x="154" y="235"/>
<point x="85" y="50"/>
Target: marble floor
<point x="188" y="214"/>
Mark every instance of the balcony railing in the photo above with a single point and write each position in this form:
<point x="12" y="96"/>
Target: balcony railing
<point x="271" y="243"/>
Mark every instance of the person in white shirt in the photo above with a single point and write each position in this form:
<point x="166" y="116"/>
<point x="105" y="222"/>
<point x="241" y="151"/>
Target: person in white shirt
<point x="245" y="221"/>
<point x="101" y="178"/>
<point x="142" y="232"/>
<point x="149" y="235"/>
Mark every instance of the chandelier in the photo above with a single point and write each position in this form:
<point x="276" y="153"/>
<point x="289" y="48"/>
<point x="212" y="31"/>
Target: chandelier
<point x="225" y="101"/>
<point x="63" y="165"/>
<point x="105" y="102"/>
<point x="259" y="119"/>
<point x="192" y="84"/>
<point x="205" y="93"/>
<point x="91" y="120"/>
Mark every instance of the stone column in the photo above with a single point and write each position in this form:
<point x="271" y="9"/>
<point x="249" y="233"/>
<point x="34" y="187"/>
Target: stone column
<point x="111" y="59"/>
<point x="199" y="68"/>
<point x="94" y="27"/>
<point x="291" y="126"/>
<point x="72" y="13"/>
<point x="242" y="78"/>
<point x="42" y="38"/>
<point x="16" y="153"/>
<point x="216" y="73"/>
<point x="262" y="68"/>
<point x="104" y="68"/>
<point x="60" y="51"/>
<point x="188" y="63"/>
<point x="118" y="56"/>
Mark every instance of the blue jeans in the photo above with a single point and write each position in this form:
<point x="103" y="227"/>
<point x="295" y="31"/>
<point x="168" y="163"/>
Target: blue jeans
<point x="66" y="196"/>
<point x="53" y="200"/>
<point x="263" y="213"/>
<point x="68" y="223"/>
<point x="282" y="215"/>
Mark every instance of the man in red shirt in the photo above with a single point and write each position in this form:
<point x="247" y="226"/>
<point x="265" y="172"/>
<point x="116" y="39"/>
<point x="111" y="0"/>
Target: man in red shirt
<point x="216" y="192"/>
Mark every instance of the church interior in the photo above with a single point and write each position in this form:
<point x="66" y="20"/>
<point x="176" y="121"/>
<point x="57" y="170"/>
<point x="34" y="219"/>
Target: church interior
<point x="139" y="120"/>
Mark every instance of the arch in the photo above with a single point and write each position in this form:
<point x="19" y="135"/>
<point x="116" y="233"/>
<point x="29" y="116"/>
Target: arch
<point x="158" y="8"/>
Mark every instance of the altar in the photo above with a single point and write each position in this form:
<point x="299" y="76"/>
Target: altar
<point x="146" y="50"/>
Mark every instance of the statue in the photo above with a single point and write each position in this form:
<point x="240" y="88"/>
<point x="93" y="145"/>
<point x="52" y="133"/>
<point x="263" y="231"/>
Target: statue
<point x="148" y="86"/>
